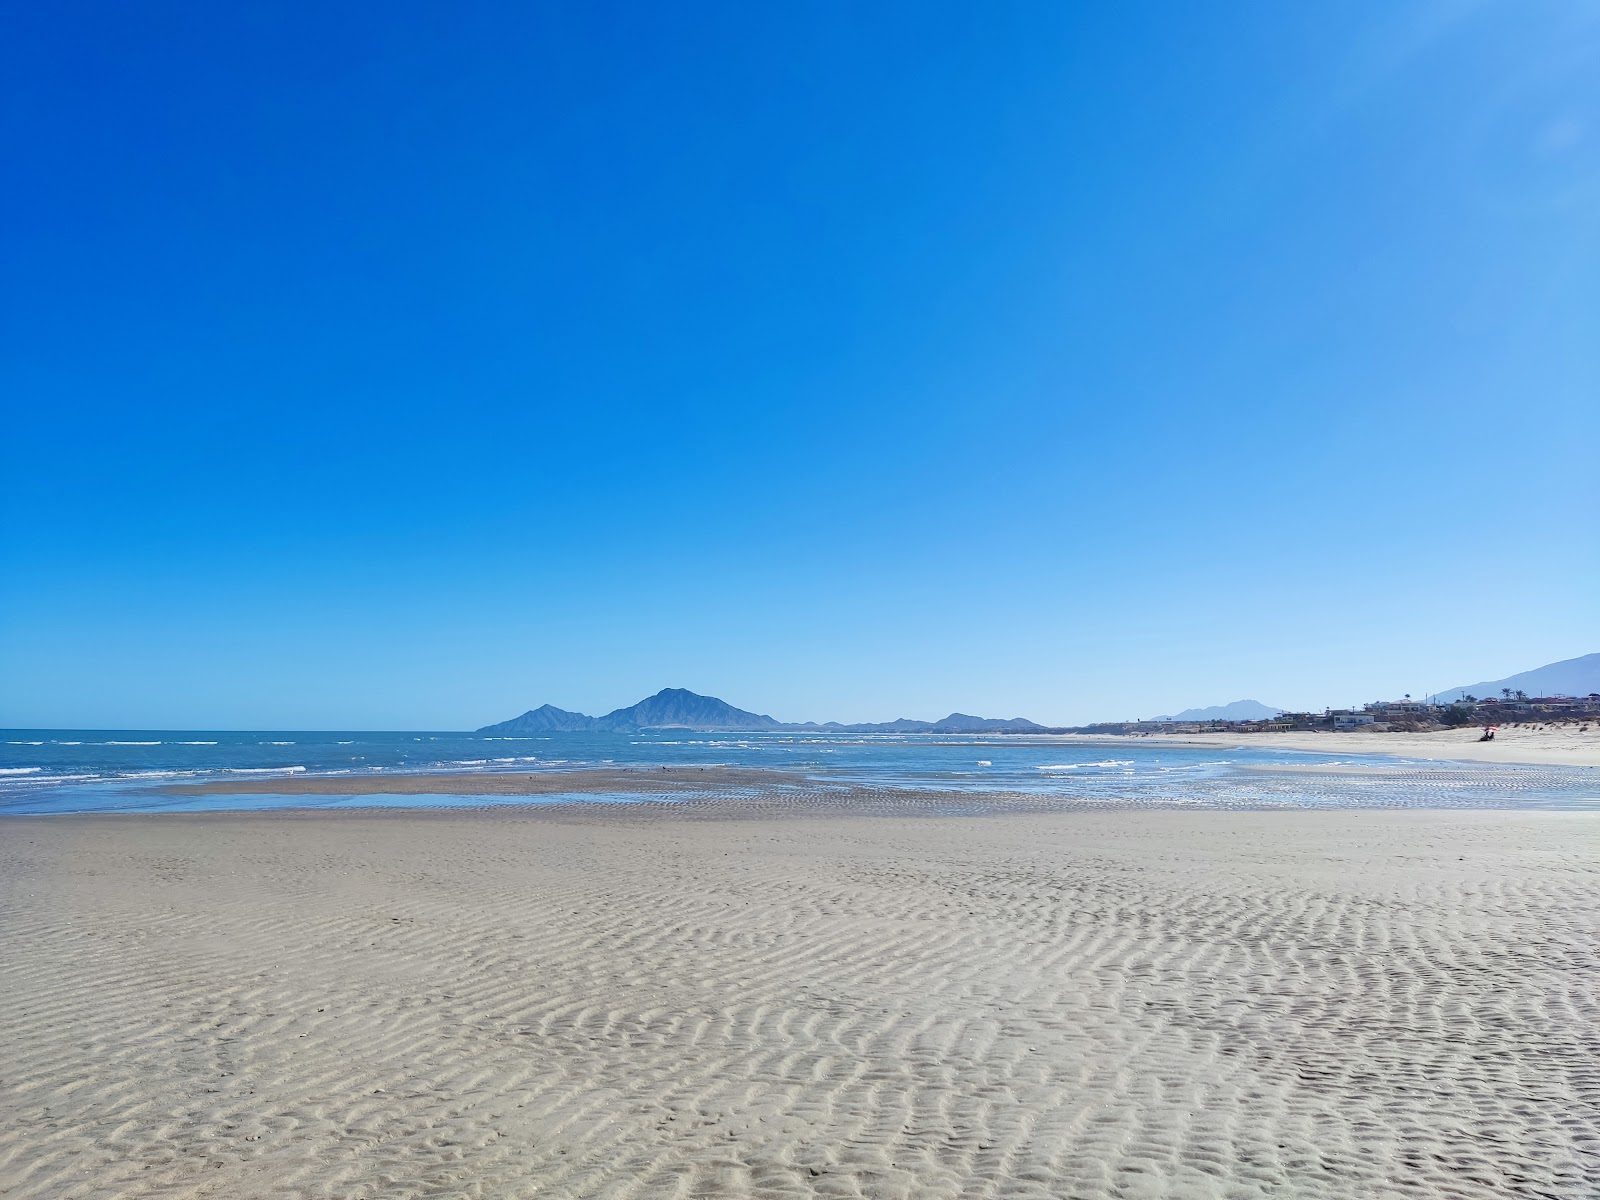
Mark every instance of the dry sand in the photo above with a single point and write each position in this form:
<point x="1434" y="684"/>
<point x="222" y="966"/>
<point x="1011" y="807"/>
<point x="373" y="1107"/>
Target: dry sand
<point x="668" y="1001"/>
<point x="1550" y="745"/>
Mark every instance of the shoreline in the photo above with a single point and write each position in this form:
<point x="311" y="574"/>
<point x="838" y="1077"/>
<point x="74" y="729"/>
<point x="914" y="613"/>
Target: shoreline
<point x="1548" y="747"/>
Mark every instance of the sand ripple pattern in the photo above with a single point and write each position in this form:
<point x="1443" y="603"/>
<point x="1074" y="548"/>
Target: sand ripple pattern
<point x="521" y="1004"/>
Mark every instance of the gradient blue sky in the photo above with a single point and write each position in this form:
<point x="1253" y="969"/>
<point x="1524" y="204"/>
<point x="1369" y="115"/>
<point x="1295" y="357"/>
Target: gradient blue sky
<point x="410" y="365"/>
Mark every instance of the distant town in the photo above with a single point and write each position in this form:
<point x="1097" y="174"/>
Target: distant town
<point x="1405" y="714"/>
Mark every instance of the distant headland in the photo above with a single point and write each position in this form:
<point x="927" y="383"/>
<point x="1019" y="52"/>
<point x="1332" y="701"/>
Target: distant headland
<point x="678" y="708"/>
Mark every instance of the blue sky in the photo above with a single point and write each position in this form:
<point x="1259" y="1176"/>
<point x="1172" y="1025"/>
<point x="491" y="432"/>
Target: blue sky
<point x="404" y="366"/>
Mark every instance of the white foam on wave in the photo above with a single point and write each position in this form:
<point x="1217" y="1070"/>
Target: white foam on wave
<point x="260" y="770"/>
<point x="21" y="785"/>
<point x="1110" y="762"/>
<point x="125" y="743"/>
<point x="37" y="743"/>
<point x="274" y="743"/>
<point x="192" y="743"/>
<point x="20" y="770"/>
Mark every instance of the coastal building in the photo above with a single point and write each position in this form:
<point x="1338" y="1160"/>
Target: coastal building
<point x="1348" y="719"/>
<point x="1403" y="708"/>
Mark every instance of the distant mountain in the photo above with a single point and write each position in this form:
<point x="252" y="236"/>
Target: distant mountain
<point x="954" y="723"/>
<point x="547" y="718"/>
<point x="1570" y="677"/>
<point x="677" y="708"/>
<point x="1239" y="710"/>
<point x="961" y="723"/>
<point x="899" y="725"/>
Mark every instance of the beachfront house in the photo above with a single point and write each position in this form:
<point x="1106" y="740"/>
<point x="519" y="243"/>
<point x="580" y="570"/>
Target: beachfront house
<point x="1305" y="720"/>
<point x="1348" y="719"/>
<point x="1403" y="708"/>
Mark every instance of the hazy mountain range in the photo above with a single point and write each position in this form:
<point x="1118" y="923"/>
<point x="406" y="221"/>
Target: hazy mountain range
<point x="1239" y="710"/>
<point x="1570" y="677"/>
<point x="677" y="708"/>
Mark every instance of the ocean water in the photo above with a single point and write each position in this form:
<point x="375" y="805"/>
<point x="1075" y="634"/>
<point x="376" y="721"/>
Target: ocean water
<point x="59" y="771"/>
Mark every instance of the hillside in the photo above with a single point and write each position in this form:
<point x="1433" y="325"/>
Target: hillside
<point x="547" y="718"/>
<point x="683" y="709"/>
<point x="962" y="723"/>
<point x="1239" y="710"/>
<point x="1570" y="677"/>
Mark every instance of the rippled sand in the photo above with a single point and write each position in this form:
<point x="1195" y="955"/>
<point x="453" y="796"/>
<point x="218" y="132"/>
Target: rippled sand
<point x="696" y="1001"/>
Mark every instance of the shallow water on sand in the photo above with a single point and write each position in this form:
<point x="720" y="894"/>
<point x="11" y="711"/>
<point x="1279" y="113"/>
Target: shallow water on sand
<point x="52" y="771"/>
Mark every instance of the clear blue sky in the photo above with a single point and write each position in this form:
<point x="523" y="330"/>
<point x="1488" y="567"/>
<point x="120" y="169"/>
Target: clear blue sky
<point x="411" y="365"/>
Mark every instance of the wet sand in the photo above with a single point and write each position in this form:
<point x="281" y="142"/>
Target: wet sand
<point x="692" y="1001"/>
<point x="1574" y="745"/>
<point x="510" y="783"/>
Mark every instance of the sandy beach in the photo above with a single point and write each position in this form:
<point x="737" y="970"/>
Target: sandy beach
<point x="670" y="1001"/>
<point x="1573" y="745"/>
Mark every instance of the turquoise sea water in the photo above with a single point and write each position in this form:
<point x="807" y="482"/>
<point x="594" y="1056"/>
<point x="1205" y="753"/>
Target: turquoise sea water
<point x="55" y="771"/>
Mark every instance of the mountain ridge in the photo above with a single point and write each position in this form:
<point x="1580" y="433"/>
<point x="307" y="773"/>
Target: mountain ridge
<point x="679" y="708"/>
<point x="547" y="718"/>
<point x="1569" y="677"/>
<point x="1238" y="710"/>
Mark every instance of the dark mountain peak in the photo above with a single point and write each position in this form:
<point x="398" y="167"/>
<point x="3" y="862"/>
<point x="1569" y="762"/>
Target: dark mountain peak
<point x="547" y="718"/>
<point x="680" y="708"/>
<point x="677" y="696"/>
